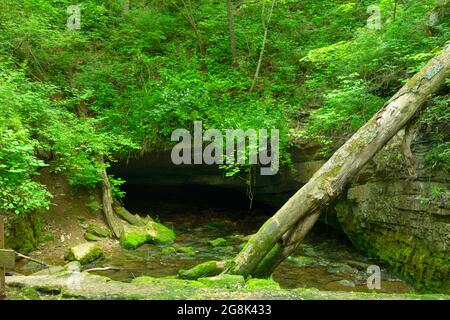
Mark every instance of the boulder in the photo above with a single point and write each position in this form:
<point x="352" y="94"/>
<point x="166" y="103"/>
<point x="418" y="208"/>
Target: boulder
<point x="90" y="237"/>
<point x="219" y="242"/>
<point x="168" y="251"/>
<point x="85" y="253"/>
<point x="98" y="231"/>
<point x="133" y="237"/>
<point x="189" y="250"/>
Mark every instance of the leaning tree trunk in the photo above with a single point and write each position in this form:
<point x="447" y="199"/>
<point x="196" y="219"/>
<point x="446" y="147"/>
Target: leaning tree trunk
<point x="282" y="233"/>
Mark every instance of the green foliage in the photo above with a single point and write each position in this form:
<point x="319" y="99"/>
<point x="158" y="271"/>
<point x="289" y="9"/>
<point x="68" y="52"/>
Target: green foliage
<point x="115" y="185"/>
<point x="436" y="117"/>
<point x="127" y="79"/>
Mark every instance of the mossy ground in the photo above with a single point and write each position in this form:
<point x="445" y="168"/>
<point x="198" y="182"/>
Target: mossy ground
<point x="228" y="287"/>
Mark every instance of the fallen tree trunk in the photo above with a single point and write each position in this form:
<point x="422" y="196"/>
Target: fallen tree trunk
<point x="282" y="233"/>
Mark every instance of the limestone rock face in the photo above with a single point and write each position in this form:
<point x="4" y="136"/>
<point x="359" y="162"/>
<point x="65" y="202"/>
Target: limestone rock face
<point x="402" y="221"/>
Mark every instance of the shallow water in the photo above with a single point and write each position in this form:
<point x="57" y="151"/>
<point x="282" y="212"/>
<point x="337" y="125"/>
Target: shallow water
<point x="333" y="264"/>
<point x="326" y="260"/>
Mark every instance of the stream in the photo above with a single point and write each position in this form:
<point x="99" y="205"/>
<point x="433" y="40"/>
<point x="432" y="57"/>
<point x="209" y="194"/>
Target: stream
<point x="326" y="260"/>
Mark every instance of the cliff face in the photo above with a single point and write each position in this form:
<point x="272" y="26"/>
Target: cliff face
<point x="402" y="221"/>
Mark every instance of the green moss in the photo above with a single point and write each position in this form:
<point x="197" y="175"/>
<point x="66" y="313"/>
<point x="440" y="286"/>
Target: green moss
<point x="133" y="236"/>
<point x="427" y="270"/>
<point x="90" y="237"/>
<point x="219" y="242"/>
<point x="132" y="240"/>
<point x="168" y="251"/>
<point x="23" y="232"/>
<point x="143" y="279"/>
<point x="223" y="281"/>
<point x="264" y="284"/>
<point x="185" y="250"/>
<point x="157" y="233"/>
<point x="31" y="294"/>
<point x="85" y="253"/>
<point x="206" y="269"/>
<point x="172" y="283"/>
<point x="98" y="231"/>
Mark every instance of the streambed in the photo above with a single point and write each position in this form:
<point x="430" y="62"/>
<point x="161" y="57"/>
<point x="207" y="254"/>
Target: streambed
<point x="326" y="260"/>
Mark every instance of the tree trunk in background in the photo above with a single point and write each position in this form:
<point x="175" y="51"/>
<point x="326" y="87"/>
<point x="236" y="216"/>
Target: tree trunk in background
<point x="107" y="201"/>
<point x="189" y="15"/>
<point x="232" y="34"/>
<point x="282" y="233"/>
<point x="263" y="46"/>
<point x="107" y="198"/>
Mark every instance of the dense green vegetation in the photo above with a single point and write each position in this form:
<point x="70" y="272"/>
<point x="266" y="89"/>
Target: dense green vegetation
<point x="128" y="78"/>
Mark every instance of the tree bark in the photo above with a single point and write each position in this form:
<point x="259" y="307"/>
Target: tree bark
<point x="107" y="200"/>
<point x="232" y="34"/>
<point x="263" y="46"/>
<point x="189" y="15"/>
<point x="281" y="234"/>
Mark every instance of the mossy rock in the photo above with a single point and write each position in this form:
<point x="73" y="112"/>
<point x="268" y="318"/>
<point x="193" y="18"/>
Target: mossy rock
<point x="219" y="242"/>
<point x="90" y="237"/>
<point x="157" y="233"/>
<point x="264" y="284"/>
<point x="169" y="251"/>
<point x="98" y="231"/>
<point x="23" y="232"/>
<point x="143" y="280"/>
<point x="133" y="237"/>
<point x="223" y="281"/>
<point x="302" y="261"/>
<point x="188" y="250"/>
<point x="169" y="281"/>
<point x="206" y="269"/>
<point x="85" y="253"/>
